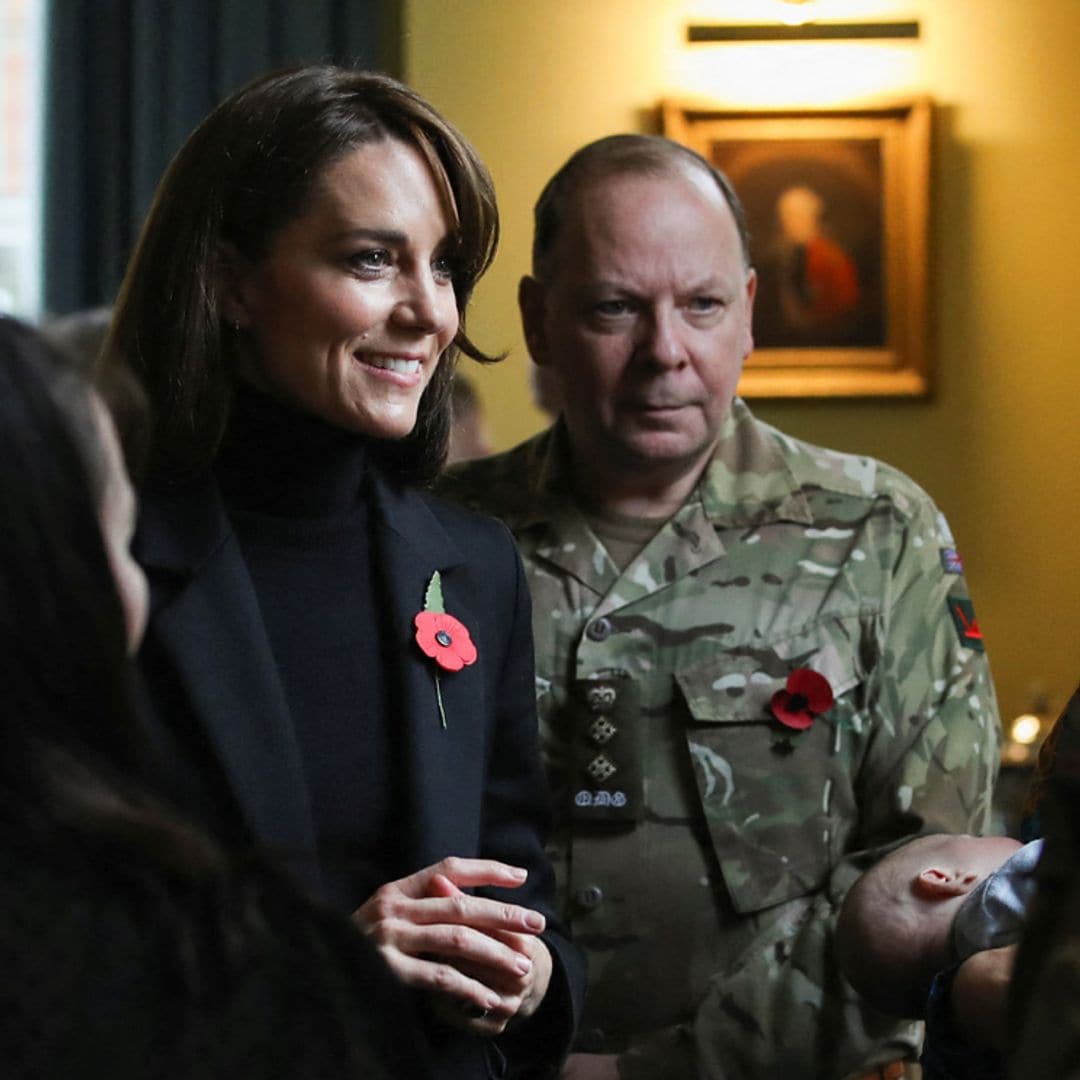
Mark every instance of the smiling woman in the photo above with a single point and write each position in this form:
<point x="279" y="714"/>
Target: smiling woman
<point x="294" y="306"/>
<point x="345" y="318"/>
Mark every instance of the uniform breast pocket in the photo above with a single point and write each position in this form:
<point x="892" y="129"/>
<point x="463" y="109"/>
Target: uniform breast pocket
<point x="778" y="802"/>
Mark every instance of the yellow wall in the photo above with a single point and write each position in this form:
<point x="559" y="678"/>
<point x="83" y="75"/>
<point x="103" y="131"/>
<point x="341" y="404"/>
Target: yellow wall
<point x="998" y="444"/>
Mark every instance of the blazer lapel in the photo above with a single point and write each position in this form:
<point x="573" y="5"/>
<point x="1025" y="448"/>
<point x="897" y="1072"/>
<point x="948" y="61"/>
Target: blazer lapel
<point x="441" y="801"/>
<point x="206" y="620"/>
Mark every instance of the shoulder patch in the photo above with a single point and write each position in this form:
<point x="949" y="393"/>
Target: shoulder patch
<point x="951" y="562"/>
<point x="962" y="611"/>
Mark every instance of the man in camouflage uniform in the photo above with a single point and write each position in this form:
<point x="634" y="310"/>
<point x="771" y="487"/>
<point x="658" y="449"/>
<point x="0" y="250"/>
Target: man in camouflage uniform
<point x="696" y="576"/>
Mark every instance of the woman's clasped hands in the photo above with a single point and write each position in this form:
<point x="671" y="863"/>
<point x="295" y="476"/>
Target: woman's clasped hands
<point x="481" y="960"/>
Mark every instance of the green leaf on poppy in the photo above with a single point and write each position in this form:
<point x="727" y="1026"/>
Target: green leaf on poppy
<point x="433" y="600"/>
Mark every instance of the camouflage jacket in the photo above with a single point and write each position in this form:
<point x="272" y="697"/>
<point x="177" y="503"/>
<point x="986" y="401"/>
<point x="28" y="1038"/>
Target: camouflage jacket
<point x="703" y="848"/>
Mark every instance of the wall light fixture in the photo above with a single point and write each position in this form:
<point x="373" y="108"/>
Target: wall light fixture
<point x="809" y="31"/>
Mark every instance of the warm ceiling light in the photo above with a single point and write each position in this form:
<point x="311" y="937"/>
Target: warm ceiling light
<point x="801" y="29"/>
<point x="1025" y="729"/>
<point x="795" y="12"/>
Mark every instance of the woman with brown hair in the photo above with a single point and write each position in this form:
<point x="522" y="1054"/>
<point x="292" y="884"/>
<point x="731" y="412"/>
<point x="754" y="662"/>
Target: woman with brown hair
<point x="338" y="664"/>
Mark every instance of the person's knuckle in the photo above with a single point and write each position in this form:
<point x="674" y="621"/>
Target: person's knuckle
<point x="383" y="903"/>
<point x="459" y="938"/>
<point x="385" y="931"/>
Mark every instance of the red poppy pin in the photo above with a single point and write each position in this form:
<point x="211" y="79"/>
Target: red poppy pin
<point x="805" y="697"/>
<point x="442" y="637"/>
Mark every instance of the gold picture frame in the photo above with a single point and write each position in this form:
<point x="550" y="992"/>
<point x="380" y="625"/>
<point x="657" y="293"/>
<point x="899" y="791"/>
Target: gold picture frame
<point x="837" y="206"/>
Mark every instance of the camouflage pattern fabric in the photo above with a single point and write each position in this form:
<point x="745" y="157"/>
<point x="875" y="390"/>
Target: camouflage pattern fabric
<point x="702" y="848"/>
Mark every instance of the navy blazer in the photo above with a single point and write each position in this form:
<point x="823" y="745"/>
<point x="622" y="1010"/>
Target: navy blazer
<point x="474" y="788"/>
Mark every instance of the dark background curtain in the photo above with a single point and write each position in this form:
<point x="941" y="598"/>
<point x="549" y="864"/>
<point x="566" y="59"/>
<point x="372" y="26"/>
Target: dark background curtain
<point x="128" y="80"/>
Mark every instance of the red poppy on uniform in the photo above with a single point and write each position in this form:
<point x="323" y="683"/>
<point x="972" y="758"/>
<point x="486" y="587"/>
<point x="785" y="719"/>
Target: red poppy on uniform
<point x="806" y="696"/>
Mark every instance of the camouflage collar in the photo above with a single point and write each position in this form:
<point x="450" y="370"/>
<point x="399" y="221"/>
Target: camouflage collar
<point x="749" y="481"/>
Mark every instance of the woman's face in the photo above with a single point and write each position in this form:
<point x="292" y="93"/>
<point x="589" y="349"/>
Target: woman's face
<point x="117" y="517"/>
<point x="353" y="304"/>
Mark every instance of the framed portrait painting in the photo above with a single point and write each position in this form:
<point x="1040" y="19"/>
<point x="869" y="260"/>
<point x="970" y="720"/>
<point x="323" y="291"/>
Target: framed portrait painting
<point x="836" y="203"/>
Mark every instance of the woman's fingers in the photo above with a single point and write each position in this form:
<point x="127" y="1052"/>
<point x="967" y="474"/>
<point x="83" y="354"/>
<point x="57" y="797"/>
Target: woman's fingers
<point x="472" y="998"/>
<point x="474" y="954"/>
<point x="462" y="873"/>
<point x="504" y="982"/>
<point x="398" y="900"/>
<point x="455" y="943"/>
<point x="461" y="999"/>
<point x="479" y="912"/>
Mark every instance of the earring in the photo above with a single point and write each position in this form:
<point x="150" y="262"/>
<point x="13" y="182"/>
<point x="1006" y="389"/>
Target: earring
<point x="236" y="326"/>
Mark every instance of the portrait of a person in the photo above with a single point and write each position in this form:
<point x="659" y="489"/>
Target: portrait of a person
<point x="815" y="214"/>
<point x="819" y="282"/>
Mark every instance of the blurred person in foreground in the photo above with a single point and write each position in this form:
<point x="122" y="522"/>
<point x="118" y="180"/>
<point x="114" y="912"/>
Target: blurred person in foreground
<point x="758" y="667"/>
<point x="1044" y="995"/>
<point x="80" y="335"/>
<point x="338" y="665"/>
<point x="131" y="944"/>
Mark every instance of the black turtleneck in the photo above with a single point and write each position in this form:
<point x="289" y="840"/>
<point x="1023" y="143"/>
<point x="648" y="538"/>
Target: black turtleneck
<point x="295" y="492"/>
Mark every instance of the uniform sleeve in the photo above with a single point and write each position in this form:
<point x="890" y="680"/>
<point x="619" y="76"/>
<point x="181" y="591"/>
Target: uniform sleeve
<point x="516" y="821"/>
<point x="927" y="730"/>
<point x="935" y="733"/>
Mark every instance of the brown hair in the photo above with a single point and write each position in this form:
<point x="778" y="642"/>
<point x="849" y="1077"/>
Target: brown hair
<point x="246" y="171"/>
<point x="620" y="155"/>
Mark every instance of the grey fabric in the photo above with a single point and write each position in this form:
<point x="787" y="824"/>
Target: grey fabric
<point x="992" y="914"/>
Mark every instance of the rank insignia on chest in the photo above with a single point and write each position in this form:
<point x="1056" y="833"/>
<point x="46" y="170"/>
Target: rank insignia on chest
<point x="607" y="783"/>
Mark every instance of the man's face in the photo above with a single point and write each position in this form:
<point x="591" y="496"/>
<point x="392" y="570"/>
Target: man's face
<point x="644" y="318"/>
